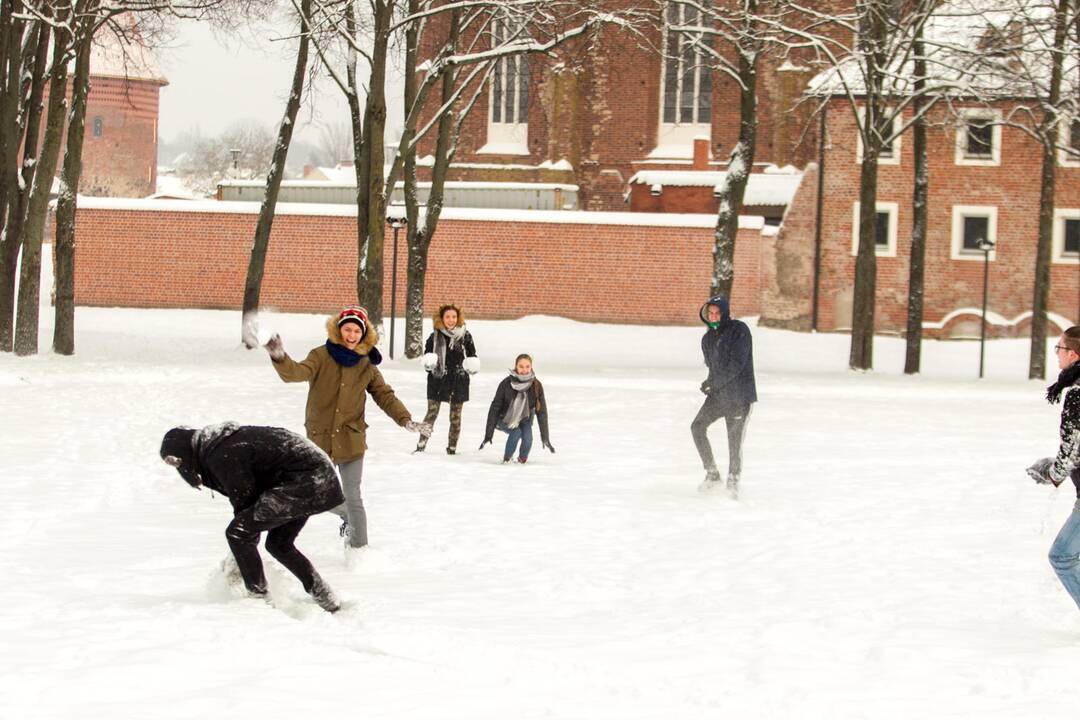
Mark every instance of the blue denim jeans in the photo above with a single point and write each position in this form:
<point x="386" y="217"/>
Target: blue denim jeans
<point x="522" y="432"/>
<point x="1065" y="554"/>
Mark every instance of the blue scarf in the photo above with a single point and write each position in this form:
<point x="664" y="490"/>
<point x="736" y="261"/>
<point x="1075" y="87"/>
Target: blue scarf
<point x="345" y="357"/>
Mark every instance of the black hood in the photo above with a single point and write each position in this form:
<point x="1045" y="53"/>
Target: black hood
<point x="721" y="301"/>
<point x="178" y="450"/>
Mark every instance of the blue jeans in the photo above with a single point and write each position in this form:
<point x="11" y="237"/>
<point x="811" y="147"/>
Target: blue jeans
<point x="1065" y="554"/>
<point x="522" y="432"/>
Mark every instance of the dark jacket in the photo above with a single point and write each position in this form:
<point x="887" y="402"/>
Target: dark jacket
<point x="504" y="395"/>
<point x="453" y="387"/>
<point x="279" y="473"/>
<point x="729" y="355"/>
<point x="1067" y="461"/>
<point x="337" y="395"/>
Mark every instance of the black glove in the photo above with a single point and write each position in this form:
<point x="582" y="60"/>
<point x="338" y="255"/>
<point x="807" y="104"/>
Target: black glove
<point x="486" y="442"/>
<point x="550" y="447"/>
<point x="275" y="347"/>
<point x="706" y="387"/>
<point x="1040" y="472"/>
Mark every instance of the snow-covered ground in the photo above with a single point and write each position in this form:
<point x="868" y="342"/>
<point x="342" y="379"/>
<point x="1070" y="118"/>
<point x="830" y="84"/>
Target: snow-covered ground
<point x="887" y="558"/>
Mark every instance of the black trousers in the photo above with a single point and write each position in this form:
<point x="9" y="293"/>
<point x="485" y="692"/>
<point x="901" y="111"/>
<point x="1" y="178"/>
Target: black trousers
<point x="243" y="536"/>
<point x="736" y="418"/>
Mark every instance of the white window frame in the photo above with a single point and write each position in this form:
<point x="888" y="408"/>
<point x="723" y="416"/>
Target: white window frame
<point x="959" y="212"/>
<point x="679" y="134"/>
<point x="897" y="145"/>
<point x="888" y="250"/>
<point x="507" y="138"/>
<point x="1058" y="236"/>
<point x="961" y="157"/>
<point x="1066" y="159"/>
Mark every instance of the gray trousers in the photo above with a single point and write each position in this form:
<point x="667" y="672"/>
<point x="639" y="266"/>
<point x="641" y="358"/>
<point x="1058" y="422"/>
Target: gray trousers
<point x="352" y="510"/>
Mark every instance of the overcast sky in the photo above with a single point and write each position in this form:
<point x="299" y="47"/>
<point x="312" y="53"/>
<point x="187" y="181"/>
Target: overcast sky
<point x="215" y="81"/>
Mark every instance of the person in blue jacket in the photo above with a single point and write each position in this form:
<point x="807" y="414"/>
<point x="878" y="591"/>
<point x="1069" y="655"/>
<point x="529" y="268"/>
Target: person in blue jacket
<point x="729" y="390"/>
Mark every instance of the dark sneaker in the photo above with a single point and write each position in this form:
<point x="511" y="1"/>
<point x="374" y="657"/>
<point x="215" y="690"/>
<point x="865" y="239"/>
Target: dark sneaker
<point x="451" y="451"/>
<point x="324" y="596"/>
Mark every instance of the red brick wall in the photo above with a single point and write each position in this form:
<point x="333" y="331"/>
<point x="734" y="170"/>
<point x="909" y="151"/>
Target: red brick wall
<point x="950" y="284"/>
<point x="590" y="272"/>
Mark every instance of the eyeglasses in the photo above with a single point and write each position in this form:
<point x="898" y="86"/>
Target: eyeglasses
<point x="1059" y="348"/>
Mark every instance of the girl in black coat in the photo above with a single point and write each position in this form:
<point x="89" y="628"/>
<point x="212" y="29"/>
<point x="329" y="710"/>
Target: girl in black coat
<point x="519" y="398"/>
<point x="274" y="479"/>
<point x="449" y="358"/>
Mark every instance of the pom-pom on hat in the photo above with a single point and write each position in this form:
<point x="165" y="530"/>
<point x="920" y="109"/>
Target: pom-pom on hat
<point x="356" y="315"/>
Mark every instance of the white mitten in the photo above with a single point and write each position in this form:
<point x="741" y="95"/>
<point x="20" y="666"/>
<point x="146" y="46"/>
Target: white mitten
<point x="472" y="365"/>
<point x="429" y="360"/>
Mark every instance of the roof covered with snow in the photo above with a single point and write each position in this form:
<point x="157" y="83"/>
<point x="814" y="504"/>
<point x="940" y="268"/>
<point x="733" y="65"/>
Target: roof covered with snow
<point x="774" y="187"/>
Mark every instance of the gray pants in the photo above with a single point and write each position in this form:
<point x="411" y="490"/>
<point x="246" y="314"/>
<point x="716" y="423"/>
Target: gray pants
<point x="352" y="510"/>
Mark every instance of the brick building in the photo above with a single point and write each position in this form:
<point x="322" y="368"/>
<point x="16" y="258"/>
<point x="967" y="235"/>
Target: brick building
<point x="602" y="111"/>
<point x="121" y="140"/>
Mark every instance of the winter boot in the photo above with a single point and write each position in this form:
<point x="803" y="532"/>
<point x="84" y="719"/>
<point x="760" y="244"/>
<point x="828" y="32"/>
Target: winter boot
<point x="421" y="444"/>
<point x="451" y="450"/>
<point x="733" y="485"/>
<point x="343" y="531"/>
<point x="506" y="460"/>
<point x="712" y="480"/>
<point x="323" y="596"/>
<point x="523" y="459"/>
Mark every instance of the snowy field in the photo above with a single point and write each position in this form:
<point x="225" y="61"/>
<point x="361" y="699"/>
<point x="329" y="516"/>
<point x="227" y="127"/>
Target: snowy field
<point x="887" y="558"/>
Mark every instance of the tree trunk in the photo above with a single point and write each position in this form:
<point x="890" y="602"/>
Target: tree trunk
<point x="420" y="239"/>
<point x="64" y="247"/>
<point x="737" y="176"/>
<point x="919" y="214"/>
<point x="11" y="32"/>
<point x="253" y="284"/>
<point x="26" y="322"/>
<point x="862" y="312"/>
<point x="1037" y="362"/>
<point x="370" y="272"/>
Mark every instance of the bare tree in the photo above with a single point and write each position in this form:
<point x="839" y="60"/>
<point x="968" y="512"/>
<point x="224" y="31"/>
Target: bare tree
<point x="257" y="263"/>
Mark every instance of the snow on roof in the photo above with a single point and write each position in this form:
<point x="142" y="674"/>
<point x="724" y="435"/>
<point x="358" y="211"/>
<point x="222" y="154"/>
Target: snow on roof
<point x="563" y="164"/>
<point x="459" y="184"/>
<point x="775" y="186"/>
<point x="567" y="217"/>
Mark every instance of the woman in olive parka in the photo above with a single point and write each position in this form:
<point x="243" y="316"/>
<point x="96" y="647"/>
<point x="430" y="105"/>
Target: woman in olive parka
<point x="340" y="374"/>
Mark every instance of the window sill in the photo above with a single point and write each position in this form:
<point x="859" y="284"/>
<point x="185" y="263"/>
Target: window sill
<point x="504" y="149"/>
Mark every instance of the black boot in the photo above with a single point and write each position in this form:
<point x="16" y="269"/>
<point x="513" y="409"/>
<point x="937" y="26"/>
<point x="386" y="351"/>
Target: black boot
<point x="323" y="596"/>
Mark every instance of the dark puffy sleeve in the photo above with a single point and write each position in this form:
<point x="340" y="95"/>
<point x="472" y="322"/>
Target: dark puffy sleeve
<point x="496" y="409"/>
<point x="470" y="348"/>
<point x="1068" y="456"/>
<point x="429" y="345"/>
<point x="541" y="412"/>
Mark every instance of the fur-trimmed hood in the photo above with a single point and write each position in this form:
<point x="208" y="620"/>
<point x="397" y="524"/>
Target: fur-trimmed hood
<point x="371" y="336"/>
<point x="437" y="317"/>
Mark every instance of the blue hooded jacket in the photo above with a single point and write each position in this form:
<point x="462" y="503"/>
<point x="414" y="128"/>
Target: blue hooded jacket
<point x="729" y="355"/>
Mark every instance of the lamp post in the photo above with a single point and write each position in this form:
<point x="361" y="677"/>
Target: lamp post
<point x="986" y="246"/>
<point x="395" y="218"/>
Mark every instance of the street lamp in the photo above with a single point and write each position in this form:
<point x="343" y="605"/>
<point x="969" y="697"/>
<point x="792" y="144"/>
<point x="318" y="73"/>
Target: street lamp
<point x="395" y="218"/>
<point x="986" y="246"/>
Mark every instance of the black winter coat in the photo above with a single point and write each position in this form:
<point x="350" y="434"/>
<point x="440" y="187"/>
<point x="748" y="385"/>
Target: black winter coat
<point x="279" y="473"/>
<point x="504" y="396"/>
<point x="453" y="387"/>
<point x="729" y="355"/>
<point x="1066" y="461"/>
